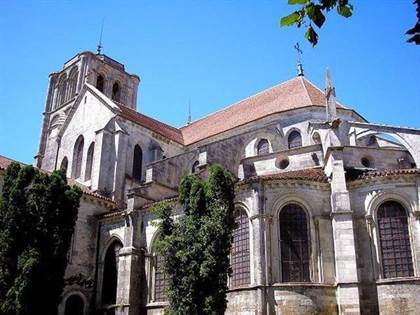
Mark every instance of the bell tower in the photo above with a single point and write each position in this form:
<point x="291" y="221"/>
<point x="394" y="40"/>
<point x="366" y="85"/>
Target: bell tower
<point x="106" y="74"/>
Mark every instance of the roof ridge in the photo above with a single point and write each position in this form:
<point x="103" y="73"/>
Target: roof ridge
<point x="302" y="80"/>
<point x="149" y="117"/>
<point x="239" y="101"/>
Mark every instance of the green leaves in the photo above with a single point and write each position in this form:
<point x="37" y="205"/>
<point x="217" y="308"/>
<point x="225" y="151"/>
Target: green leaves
<point x="290" y="19"/>
<point x="312" y="12"/>
<point x="297" y="1"/>
<point x="311" y="36"/>
<point x="345" y="10"/>
<point x="196" y="247"/>
<point x="37" y="216"/>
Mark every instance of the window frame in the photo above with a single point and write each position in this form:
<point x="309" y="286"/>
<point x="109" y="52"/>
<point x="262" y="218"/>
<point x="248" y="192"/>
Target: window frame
<point x="291" y="132"/>
<point x="378" y="244"/>
<point x="233" y="285"/>
<point x="309" y="241"/>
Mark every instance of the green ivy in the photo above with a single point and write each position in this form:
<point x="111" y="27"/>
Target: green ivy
<point x="37" y="216"/>
<point x="196" y="246"/>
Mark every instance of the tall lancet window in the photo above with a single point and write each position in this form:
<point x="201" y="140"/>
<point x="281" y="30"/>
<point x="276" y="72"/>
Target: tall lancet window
<point x="89" y="161"/>
<point x="240" y="256"/>
<point x="110" y="274"/>
<point x="72" y="83"/>
<point x="137" y="162"/>
<point x="100" y="83"/>
<point x="294" y="140"/>
<point x="77" y="157"/>
<point x="394" y="240"/>
<point x="116" y="93"/>
<point x="294" y="244"/>
<point x="61" y="90"/>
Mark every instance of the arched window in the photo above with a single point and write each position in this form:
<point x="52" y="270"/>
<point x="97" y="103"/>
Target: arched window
<point x="110" y="274"/>
<point x="161" y="281"/>
<point x="394" y="240"/>
<point x="72" y="83"/>
<point x="64" y="165"/>
<point x="194" y="168"/>
<point x="294" y="140"/>
<point x="137" y="162"/>
<point x="77" y="157"/>
<point x="74" y="305"/>
<point x="100" y="83"/>
<point x="294" y="244"/>
<point x="61" y="90"/>
<point x="263" y="147"/>
<point x="89" y="161"/>
<point x="116" y="93"/>
<point x="240" y="256"/>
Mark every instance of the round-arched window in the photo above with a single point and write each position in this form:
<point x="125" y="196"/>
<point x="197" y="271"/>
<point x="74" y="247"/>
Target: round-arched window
<point x="263" y="147"/>
<point x="294" y="140"/>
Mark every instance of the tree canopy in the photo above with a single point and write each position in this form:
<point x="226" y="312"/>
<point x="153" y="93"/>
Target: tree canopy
<point x="312" y="14"/>
<point x="37" y="216"/>
<point x="196" y="247"/>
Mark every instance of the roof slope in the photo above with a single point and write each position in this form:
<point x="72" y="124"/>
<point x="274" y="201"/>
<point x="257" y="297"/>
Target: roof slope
<point x="5" y="162"/>
<point x="295" y="93"/>
<point x="154" y="125"/>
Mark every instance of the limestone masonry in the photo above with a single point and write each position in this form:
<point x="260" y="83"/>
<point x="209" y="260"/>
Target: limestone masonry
<point x="327" y="204"/>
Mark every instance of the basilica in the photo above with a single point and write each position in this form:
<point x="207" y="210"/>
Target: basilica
<point x="327" y="203"/>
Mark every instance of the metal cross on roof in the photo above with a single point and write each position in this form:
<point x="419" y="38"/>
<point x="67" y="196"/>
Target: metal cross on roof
<point x="299" y="59"/>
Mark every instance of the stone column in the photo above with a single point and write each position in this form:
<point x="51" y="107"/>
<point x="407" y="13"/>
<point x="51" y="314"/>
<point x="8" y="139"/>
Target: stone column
<point x="128" y="287"/>
<point x="258" y="238"/>
<point x="129" y="264"/>
<point x="343" y="235"/>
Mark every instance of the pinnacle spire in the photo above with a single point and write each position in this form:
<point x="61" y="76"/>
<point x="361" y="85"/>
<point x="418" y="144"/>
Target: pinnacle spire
<point x="189" y="112"/>
<point x="331" y="104"/>
<point x="99" y="47"/>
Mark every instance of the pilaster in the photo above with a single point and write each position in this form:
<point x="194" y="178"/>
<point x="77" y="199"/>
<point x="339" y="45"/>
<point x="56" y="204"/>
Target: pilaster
<point x="344" y="243"/>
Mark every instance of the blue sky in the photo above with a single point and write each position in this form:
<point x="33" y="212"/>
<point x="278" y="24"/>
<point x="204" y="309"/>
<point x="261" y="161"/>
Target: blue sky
<point x="212" y="52"/>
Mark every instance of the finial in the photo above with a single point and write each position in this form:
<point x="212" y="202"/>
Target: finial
<point x="299" y="59"/>
<point x="99" y="47"/>
<point x="189" y="112"/>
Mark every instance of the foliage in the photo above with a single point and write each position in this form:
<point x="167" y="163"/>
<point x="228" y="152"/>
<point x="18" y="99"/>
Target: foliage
<point x="312" y="13"/>
<point x="37" y="216"/>
<point x="415" y="31"/>
<point x="195" y="247"/>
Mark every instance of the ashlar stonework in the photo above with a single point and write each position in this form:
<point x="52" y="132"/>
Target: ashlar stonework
<point x="293" y="148"/>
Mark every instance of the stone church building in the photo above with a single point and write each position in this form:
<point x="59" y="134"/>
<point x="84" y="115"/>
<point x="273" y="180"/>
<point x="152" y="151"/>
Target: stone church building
<point x="327" y="203"/>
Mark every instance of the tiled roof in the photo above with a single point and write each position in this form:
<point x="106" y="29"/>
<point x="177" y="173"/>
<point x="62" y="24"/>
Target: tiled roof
<point x="363" y="175"/>
<point x="295" y="93"/>
<point x="154" y="125"/>
<point x="310" y="174"/>
<point x="5" y="162"/>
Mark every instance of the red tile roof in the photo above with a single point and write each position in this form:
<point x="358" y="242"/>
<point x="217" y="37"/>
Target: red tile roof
<point x="5" y="162"/>
<point x="295" y="93"/>
<point x="154" y="125"/>
<point x="310" y="174"/>
<point x="384" y="173"/>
